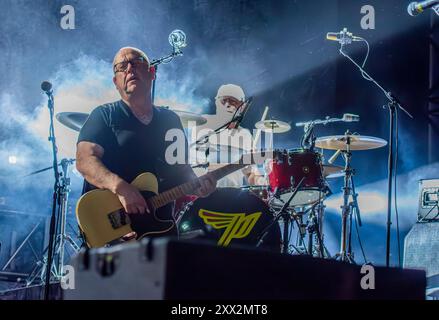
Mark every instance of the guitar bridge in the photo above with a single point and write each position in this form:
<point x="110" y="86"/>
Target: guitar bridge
<point x="118" y="219"/>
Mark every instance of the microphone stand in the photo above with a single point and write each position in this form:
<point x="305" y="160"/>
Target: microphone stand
<point x="155" y="63"/>
<point x="392" y="105"/>
<point x="56" y="194"/>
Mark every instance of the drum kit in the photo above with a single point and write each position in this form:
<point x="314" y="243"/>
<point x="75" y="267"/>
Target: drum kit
<point x="293" y="195"/>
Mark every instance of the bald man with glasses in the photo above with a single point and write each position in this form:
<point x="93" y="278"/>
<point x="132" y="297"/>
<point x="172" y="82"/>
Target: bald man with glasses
<point x="125" y="138"/>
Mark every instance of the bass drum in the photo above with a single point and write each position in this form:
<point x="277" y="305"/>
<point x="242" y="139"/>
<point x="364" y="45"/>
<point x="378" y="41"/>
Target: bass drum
<point x="229" y="217"/>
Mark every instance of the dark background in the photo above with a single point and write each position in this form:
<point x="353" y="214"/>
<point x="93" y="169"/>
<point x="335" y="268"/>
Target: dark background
<point x="276" y="50"/>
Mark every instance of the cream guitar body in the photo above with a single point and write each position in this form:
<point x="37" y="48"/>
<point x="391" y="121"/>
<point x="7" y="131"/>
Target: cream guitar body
<point x="102" y="219"/>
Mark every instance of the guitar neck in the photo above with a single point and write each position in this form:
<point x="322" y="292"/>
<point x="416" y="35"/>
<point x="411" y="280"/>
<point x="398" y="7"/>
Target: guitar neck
<point x="190" y="187"/>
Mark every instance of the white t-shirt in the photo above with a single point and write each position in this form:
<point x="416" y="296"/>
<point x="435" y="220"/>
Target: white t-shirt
<point x="225" y="147"/>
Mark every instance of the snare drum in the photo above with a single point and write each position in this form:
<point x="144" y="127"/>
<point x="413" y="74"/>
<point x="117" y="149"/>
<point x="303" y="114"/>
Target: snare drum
<point x="231" y="216"/>
<point x="287" y="169"/>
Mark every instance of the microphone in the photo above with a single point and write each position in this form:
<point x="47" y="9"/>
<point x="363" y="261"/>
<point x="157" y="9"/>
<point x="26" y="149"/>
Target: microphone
<point x="177" y="39"/>
<point x="343" y="37"/>
<point x="416" y="8"/>
<point x="46" y="86"/>
<point x="240" y="117"/>
<point x="349" y="117"/>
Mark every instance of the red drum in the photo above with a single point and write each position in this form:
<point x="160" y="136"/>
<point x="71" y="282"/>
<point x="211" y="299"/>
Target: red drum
<point x="288" y="167"/>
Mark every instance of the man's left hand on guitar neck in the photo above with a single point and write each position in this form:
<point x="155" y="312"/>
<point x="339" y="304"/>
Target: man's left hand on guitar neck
<point x="208" y="185"/>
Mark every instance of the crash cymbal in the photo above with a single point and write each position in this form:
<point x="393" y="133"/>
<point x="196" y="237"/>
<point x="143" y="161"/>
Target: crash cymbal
<point x="186" y="117"/>
<point x="274" y="126"/>
<point x="72" y="120"/>
<point x="357" y="142"/>
<point x="331" y="171"/>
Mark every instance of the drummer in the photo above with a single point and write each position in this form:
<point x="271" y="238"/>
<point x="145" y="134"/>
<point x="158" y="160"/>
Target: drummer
<point x="231" y="143"/>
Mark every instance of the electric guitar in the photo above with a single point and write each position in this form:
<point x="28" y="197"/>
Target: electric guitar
<point x="102" y="218"/>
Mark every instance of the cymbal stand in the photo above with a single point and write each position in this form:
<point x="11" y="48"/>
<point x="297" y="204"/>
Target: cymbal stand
<point x="345" y="253"/>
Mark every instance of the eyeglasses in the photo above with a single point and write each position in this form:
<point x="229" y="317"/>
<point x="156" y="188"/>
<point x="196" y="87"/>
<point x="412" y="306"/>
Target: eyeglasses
<point x="123" y="66"/>
<point x="231" y="100"/>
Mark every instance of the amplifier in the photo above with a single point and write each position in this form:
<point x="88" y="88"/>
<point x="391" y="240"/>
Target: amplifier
<point x="428" y="200"/>
<point x="163" y="268"/>
<point x="421" y="251"/>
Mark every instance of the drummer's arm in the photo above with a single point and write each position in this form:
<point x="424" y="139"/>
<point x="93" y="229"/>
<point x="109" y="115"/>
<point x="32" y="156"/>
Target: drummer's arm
<point x="254" y="176"/>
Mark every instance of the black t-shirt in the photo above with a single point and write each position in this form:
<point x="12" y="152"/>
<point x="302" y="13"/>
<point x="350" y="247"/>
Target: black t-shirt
<point x="131" y="147"/>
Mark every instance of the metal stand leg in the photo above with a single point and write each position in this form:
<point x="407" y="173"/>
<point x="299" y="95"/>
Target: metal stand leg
<point x="345" y="253"/>
<point x="60" y="241"/>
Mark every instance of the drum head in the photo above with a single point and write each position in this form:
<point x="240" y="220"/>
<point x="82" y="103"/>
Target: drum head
<point x="231" y="216"/>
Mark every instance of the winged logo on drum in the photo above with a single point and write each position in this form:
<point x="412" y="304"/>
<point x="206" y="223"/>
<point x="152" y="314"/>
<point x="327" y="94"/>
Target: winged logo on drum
<point x="237" y="225"/>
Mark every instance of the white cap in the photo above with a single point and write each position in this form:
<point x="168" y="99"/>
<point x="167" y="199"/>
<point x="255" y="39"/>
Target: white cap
<point x="231" y="90"/>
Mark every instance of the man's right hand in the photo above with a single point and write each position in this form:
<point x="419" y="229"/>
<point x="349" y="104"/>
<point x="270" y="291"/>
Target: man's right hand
<point x="130" y="198"/>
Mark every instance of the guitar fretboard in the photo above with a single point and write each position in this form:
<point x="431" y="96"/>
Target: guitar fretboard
<point x="190" y="187"/>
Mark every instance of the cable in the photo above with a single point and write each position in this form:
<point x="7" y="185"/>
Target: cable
<point x="364" y="75"/>
<point x="359" y="239"/>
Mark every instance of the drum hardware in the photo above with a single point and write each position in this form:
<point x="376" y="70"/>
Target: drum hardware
<point x="308" y="138"/>
<point x="315" y="230"/>
<point x="345" y="144"/>
<point x="286" y="217"/>
<point x="348" y="208"/>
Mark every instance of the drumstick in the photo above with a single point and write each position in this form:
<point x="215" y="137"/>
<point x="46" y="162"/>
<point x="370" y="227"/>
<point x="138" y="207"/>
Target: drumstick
<point x="258" y="132"/>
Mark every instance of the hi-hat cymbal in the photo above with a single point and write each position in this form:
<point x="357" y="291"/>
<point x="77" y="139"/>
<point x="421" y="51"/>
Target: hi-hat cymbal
<point x="331" y="171"/>
<point x="274" y="126"/>
<point x="186" y="117"/>
<point x="72" y="120"/>
<point x="357" y="142"/>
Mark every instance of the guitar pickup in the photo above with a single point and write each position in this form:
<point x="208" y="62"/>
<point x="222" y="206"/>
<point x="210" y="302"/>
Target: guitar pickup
<point x="118" y="219"/>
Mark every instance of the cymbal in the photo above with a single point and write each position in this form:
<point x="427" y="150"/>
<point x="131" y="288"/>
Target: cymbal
<point x="274" y="126"/>
<point x="220" y="148"/>
<point x="186" y="116"/>
<point x="72" y="120"/>
<point x="75" y="120"/>
<point x="331" y="171"/>
<point x="357" y="142"/>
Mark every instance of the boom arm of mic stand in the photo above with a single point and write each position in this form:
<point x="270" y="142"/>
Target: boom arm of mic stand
<point x="392" y="99"/>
